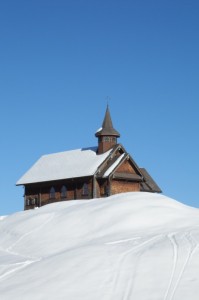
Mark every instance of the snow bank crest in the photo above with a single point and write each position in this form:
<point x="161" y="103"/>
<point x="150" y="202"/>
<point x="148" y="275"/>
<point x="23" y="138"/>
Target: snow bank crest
<point x="132" y="245"/>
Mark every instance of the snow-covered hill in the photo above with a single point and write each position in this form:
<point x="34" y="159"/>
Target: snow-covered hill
<point x="133" y="246"/>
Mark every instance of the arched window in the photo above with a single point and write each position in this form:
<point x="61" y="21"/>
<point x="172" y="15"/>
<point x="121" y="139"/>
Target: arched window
<point x="63" y="192"/>
<point x="33" y="201"/>
<point x="28" y="202"/>
<point x="85" y="189"/>
<point x="52" y="193"/>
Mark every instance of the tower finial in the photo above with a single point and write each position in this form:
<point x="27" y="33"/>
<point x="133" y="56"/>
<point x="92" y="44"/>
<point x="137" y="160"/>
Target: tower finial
<point x="108" y="98"/>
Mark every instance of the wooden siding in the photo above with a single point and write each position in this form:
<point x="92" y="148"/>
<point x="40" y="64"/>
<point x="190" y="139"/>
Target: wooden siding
<point x="104" y="146"/>
<point x="125" y="167"/>
<point x="97" y="189"/>
<point x="104" y="188"/>
<point x="124" y="186"/>
<point x="40" y="193"/>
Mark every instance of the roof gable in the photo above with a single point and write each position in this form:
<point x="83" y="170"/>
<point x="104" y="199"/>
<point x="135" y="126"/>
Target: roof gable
<point x="114" y="165"/>
<point x="117" y="157"/>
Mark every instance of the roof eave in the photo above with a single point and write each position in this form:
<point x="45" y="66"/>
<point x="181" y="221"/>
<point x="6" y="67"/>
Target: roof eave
<point x="53" y="180"/>
<point x="107" y="132"/>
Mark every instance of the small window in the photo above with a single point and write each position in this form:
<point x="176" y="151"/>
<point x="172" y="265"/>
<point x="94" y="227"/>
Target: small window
<point x="52" y="193"/>
<point x="114" y="139"/>
<point x="63" y="192"/>
<point x="106" y="139"/>
<point x="85" y="189"/>
<point x="27" y="202"/>
<point x="33" y="201"/>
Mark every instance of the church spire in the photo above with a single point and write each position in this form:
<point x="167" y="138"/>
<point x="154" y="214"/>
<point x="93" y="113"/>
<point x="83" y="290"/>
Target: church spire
<point x="107" y="135"/>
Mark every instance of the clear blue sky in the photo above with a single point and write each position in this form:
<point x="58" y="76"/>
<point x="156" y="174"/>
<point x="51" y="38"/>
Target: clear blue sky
<point x="59" y="60"/>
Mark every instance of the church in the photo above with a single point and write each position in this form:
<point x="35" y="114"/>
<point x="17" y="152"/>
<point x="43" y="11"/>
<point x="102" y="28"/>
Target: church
<point x="86" y="173"/>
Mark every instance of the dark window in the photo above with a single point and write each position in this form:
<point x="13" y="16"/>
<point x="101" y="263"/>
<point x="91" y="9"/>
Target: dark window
<point x="52" y="193"/>
<point x="85" y="189"/>
<point x="63" y="192"/>
<point x="106" y="139"/>
<point x="31" y="201"/>
<point x="109" y="139"/>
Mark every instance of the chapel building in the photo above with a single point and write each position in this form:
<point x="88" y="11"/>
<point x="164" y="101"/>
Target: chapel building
<point x="86" y="173"/>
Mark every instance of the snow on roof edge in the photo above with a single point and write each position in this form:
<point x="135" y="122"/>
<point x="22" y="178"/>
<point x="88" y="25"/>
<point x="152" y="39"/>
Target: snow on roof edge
<point x="69" y="164"/>
<point x="113" y="166"/>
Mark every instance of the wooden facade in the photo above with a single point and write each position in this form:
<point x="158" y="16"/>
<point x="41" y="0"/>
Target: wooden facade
<point x="115" y="172"/>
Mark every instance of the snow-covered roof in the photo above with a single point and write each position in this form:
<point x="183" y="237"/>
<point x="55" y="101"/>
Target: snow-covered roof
<point x="98" y="130"/>
<point x="113" y="166"/>
<point x="62" y="165"/>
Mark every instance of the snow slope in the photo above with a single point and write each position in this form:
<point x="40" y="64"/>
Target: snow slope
<point x="138" y="246"/>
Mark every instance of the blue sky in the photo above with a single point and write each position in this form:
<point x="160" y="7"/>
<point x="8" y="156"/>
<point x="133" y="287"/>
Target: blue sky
<point x="59" y="60"/>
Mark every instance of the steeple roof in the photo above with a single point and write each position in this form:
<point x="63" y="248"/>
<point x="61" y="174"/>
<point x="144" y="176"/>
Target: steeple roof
<point x="107" y="126"/>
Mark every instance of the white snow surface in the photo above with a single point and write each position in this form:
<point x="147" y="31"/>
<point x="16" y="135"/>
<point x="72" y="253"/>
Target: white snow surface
<point x="138" y="246"/>
<point x="68" y="164"/>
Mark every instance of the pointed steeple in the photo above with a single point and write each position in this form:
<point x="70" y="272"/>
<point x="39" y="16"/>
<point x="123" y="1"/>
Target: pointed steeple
<point x="107" y="135"/>
<point x="107" y="126"/>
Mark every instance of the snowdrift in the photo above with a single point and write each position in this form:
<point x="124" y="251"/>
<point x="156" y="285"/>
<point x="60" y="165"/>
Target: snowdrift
<point x="129" y="246"/>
